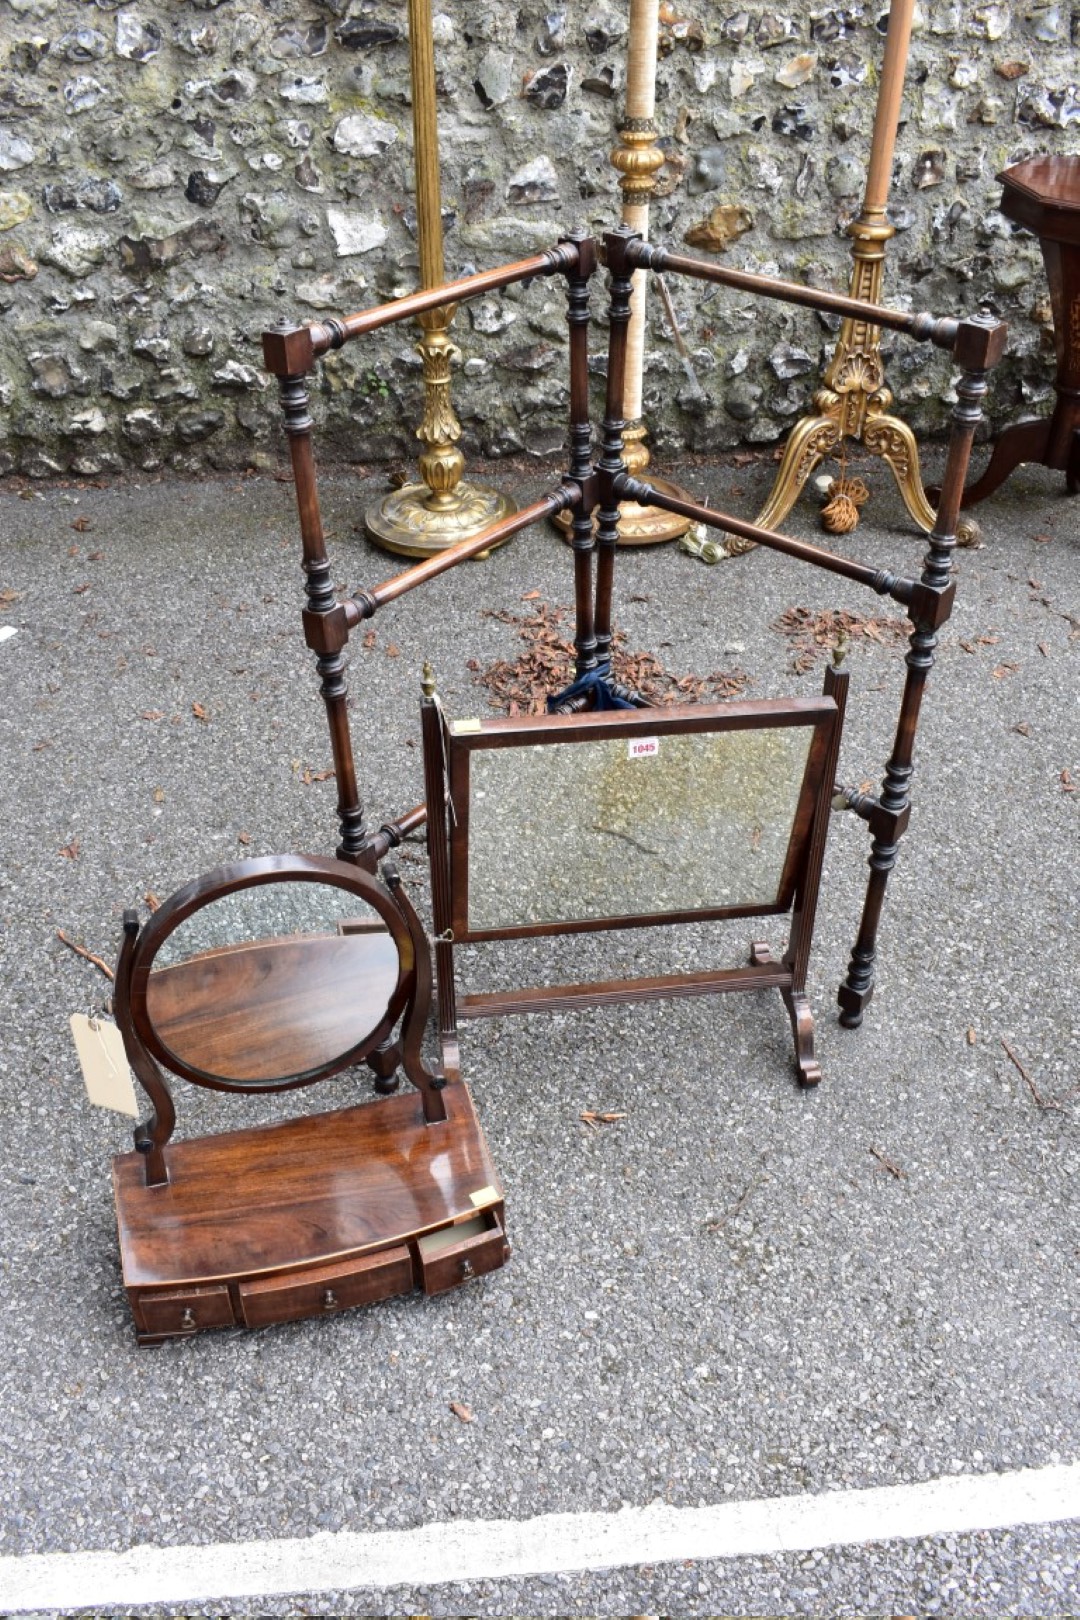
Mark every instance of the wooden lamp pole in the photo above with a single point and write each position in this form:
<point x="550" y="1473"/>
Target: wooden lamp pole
<point x="854" y="403"/>
<point x="424" y="519"/>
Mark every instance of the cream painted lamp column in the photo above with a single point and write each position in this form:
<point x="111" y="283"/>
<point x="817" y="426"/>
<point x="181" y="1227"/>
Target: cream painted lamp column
<point x="637" y="159"/>
<point x="422" y="519"/>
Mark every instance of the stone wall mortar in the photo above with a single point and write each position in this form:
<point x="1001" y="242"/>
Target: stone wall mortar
<point x="175" y="178"/>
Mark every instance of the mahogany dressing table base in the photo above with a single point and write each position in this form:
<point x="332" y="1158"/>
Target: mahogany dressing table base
<point x="311" y="1215"/>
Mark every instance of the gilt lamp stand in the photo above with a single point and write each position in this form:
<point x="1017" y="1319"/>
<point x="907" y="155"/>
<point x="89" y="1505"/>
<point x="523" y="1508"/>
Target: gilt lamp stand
<point x="637" y="159"/>
<point x="854" y="402"/>
<point x="423" y="519"/>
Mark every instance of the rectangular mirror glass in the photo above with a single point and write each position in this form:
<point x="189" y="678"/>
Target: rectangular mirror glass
<point x="631" y="826"/>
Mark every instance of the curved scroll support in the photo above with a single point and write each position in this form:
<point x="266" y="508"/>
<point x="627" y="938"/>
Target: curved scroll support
<point x="894" y="442"/>
<point x="1023" y="441"/>
<point x="810" y="441"/>
<point x="152" y="1135"/>
<point x="430" y="1086"/>
<point x="802" y="1028"/>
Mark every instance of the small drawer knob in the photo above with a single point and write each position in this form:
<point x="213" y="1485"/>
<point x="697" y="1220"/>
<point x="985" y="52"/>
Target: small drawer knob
<point x="187" y="1317"/>
<point x="467" y="1268"/>
<point x="330" y="1300"/>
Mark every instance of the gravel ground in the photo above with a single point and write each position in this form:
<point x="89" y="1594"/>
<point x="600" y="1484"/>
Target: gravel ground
<point x="728" y="1293"/>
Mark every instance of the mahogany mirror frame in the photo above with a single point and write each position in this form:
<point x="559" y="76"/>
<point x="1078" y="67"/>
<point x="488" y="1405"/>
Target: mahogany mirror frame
<point x="258" y="873"/>
<point x="710" y="719"/>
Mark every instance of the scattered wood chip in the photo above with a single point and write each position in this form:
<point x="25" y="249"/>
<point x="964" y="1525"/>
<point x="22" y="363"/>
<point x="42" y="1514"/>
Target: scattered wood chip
<point x="243" y="838"/>
<point x="1041" y="1101"/>
<point x="199" y="712"/>
<point x="1067" y="783"/>
<point x="309" y="776"/>
<point x="80" y="590"/>
<point x="1023" y="727"/>
<point x="46" y="742"/>
<point x="88" y="956"/>
<point x="1001" y="670"/>
<point x="814" y="635"/>
<point x="893" y="1169"/>
<point x="7" y="596"/>
<point x="159" y="795"/>
<point x="546" y="665"/>
<point x="81" y="524"/>
<point x="531" y="596"/>
<point x="460" y="1410"/>
<point x="1041" y="539"/>
<point x="70" y="851"/>
<point x="96" y="556"/>
<point x="369" y="640"/>
<point x="591" y="1117"/>
<point x="971" y="1037"/>
<point x="1044" y="648"/>
<point x="392" y="650"/>
<point x="152" y="714"/>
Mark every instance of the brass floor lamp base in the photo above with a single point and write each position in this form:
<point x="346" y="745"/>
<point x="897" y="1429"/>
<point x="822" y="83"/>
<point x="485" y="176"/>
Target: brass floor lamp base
<point x="407" y="521"/>
<point x="641" y="525"/>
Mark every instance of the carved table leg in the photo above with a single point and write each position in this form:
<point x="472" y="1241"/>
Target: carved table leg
<point x="1023" y="441"/>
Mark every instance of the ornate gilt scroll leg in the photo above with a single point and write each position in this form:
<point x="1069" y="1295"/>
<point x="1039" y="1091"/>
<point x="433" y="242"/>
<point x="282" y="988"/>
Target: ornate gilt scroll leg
<point x="802" y="1028"/>
<point x="892" y="440"/>
<point x="811" y="441"/>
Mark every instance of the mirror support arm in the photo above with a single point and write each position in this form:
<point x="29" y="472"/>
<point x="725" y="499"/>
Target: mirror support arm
<point x="152" y="1135"/>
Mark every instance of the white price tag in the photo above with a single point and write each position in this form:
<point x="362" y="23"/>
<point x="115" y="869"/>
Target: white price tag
<point x="100" y="1048"/>
<point x="642" y="747"/>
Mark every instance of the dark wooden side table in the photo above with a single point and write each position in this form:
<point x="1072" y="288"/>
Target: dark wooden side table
<point x="1043" y="193"/>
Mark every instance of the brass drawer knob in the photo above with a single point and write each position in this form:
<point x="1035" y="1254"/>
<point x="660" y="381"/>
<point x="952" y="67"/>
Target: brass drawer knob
<point x="187" y="1317"/>
<point x="466" y="1269"/>
<point x="330" y="1300"/>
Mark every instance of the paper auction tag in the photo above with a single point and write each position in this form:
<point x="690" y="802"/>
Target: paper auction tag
<point x="100" y="1048"/>
<point x="642" y="747"/>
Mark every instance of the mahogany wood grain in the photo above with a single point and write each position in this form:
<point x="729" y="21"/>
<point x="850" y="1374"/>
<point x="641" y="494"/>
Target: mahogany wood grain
<point x="323" y="1290"/>
<point x="274" y="1007"/>
<point x="610" y="992"/>
<point x="310" y="1191"/>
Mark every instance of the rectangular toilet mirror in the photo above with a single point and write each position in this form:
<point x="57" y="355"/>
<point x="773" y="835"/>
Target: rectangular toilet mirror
<point x="566" y="823"/>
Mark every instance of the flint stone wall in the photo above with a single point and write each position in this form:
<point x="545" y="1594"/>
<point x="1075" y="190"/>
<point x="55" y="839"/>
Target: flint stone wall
<point x="176" y="177"/>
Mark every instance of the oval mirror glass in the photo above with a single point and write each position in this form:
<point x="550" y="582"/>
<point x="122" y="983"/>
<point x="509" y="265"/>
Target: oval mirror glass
<point x="270" y="983"/>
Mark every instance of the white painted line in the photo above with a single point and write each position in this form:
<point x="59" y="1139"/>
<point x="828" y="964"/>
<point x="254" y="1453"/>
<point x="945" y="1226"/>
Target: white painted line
<point x="558" y="1543"/>
<point x="7" y="631"/>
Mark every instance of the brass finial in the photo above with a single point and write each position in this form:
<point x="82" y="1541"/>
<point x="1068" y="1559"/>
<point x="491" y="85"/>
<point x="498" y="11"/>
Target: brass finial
<point x="427" y="681"/>
<point x="839" y="652"/>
